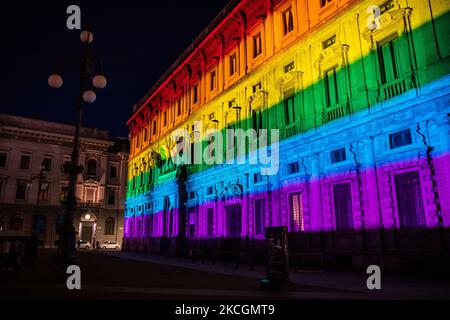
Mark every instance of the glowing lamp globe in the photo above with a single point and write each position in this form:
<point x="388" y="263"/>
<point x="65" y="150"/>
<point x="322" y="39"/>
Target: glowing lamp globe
<point x="55" y="81"/>
<point x="99" y="81"/>
<point x="86" y="36"/>
<point x="89" y="96"/>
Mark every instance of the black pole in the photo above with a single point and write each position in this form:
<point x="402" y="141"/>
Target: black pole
<point x="66" y="253"/>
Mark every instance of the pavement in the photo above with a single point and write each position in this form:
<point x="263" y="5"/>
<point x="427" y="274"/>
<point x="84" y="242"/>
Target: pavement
<point x="125" y="275"/>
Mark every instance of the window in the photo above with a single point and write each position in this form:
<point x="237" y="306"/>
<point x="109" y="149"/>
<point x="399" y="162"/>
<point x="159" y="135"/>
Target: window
<point x="192" y="195"/>
<point x="388" y="5"/>
<point x="409" y="200"/>
<point x="323" y="3"/>
<point x="209" y="191"/>
<point x="2" y="183"/>
<point x="63" y="194"/>
<point x="234" y="220"/>
<point x="44" y="192"/>
<point x="329" y="42"/>
<point x="257" y="178"/>
<point x="288" y="21"/>
<point x="25" y="162"/>
<point x="195" y="94"/>
<point x="257" y="119"/>
<point x="113" y="172"/>
<point x="137" y="141"/>
<point x="331" y="87"/>
<point x="289" y="67"/>
<point x="293" y="167"/>
<point x="15" y="222"/>
<point x="90" y="193"/>
<point x="386" y="60"/>
<point x="179" y="107"/>
<point x="3" y="157"/>
<point x="109" y="226"/>
<point x="92" y="167"/>
<point x="47" y="163"/>
<point x="257" y="45"/>
<point x="213" y="79"/>
<point x="338" y="155"/>
<point x="257" y="87"/>
<point x="192" y="212"/>
<point x="343" y="206"/>
<point x="289" y="107"/>
<point x="21" y="190"/>
<point x="259" y="216"/>
<point x="154" y="127"/>
<point x="210" y="222"/>
<point x="400" y="139"/>
<point x="145" y="134"/>
<point x="233" y="64"/>
<point x="296" y="207"/>
<point x="111" y="197"/>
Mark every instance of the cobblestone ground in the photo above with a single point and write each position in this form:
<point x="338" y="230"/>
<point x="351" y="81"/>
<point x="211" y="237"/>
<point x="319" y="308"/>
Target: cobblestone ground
<point x="109" y="277"/>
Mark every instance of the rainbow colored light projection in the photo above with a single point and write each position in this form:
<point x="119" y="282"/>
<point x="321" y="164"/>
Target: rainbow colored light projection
<point x="360" y="100"/>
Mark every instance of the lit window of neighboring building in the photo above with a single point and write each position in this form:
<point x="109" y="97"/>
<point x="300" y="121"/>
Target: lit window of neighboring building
<point x="288" y="21"/>
<point x="44" y="194"/>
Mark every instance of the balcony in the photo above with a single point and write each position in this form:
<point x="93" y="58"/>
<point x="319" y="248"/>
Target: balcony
<point x="337" y="111"/>
<point x="395" y="88"/>
<point x="291" y="130"/>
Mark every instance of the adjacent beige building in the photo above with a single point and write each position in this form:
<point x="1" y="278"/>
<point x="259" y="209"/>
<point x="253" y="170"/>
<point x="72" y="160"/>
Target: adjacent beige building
<point x="32" y="153"/>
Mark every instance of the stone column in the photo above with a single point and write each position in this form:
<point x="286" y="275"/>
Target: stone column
<point x="316" y="196"/>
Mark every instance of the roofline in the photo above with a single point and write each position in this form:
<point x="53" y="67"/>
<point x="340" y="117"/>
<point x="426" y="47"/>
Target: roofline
<point x="215" y="24"/>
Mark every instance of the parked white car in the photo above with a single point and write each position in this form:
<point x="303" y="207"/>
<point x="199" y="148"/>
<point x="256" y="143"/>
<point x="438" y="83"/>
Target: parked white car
<point x="110" y="245"/>
<point x="83" y="244"/>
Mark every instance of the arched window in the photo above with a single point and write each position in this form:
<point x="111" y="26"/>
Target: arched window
<point x="92" y="167"/>
<point x="109" y="226"/>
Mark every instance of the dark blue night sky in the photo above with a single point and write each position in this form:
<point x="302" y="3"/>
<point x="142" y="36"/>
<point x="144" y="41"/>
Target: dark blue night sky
<point x="138" y="39"/>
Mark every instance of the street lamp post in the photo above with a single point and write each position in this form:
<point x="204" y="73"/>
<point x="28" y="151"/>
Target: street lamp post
<point x="66" y="251"/>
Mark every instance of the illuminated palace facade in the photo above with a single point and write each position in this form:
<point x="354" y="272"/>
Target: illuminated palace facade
<point x="359" y="94"/>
